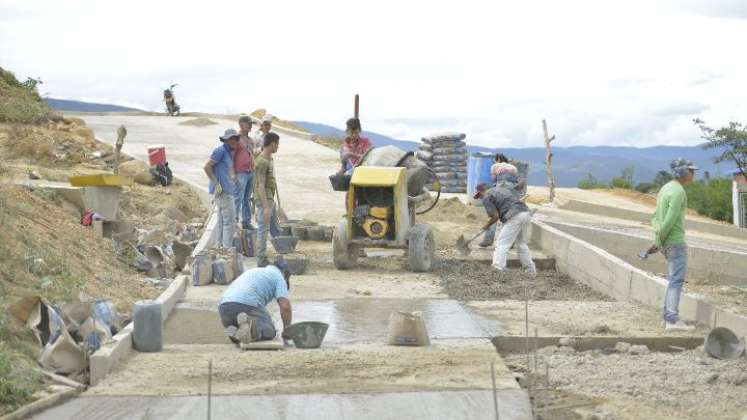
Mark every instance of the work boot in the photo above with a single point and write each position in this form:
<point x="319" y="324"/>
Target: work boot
<point x="678" y="326"/>
<point x="231" y="333"/>
<point x="247" y="331"/>
<point x="484" y="244"/>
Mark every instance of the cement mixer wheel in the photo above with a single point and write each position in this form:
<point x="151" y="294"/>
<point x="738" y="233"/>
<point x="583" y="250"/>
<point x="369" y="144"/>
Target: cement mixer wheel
<point x="344" y="254"/>
<point x="420" y="249"/>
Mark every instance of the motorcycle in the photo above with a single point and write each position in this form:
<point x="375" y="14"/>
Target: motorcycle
<point x="170" y="100"/>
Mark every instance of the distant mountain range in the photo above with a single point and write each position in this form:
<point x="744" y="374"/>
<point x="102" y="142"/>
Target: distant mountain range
<point x="78" y="106"/>
<point x="572" y="164"/>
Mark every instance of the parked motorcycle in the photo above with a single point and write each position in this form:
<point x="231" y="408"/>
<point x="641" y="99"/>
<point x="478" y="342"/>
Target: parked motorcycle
<point x="170" y="100"/>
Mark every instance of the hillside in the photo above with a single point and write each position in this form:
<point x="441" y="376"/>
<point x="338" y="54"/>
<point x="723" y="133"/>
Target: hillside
<point x="67" y="105"/>
<point x="571" y="164"/>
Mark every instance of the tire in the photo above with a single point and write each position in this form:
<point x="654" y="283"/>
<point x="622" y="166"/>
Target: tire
<point x="344" y="254"/>
<point x="420" y="249"/>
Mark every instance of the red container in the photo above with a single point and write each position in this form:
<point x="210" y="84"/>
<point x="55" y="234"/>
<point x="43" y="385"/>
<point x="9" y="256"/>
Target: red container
<point x="156" y="154"/>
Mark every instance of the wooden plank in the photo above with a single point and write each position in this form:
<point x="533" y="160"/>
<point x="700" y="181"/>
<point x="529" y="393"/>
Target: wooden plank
<point x="274" y="344"/>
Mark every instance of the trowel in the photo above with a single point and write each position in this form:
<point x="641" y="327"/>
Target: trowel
<point x="463" y="245"/>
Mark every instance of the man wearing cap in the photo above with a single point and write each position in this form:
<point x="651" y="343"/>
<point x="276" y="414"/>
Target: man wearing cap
<point x="501" y="203"/>
<point x="242" y="307"/>
<point x="265" y="188"/>
<point x="220" y="169"/>
<point x="668" y="223"/>
<point x="259" y="134"/>
<point x="244" y="167"/>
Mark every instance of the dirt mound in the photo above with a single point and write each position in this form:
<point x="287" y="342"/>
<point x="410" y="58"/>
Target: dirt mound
<point x="199" y="122"/>
<point x="455" y="211"/>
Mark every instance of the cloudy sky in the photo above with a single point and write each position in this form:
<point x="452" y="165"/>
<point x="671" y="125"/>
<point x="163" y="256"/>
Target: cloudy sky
<point x="603" y="72"/>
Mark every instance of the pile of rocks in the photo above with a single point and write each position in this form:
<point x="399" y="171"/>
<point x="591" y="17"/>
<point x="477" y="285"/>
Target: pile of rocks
<point x="446" y="154"/>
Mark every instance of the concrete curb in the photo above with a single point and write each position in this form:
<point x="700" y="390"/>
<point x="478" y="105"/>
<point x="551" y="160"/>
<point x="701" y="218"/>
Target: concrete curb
<point x="111" y="353"/>
<point x="41" y="404"/>
<point x="208" y="233"/>
<point x="614" y="277"/>
<point x="722" y="267"/>
<point x="620" y="213"/>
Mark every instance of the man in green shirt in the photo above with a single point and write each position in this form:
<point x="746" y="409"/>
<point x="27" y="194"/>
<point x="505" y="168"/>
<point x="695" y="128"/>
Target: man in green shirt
<point x="668" y="223"/>
<point x="264" y="192"/>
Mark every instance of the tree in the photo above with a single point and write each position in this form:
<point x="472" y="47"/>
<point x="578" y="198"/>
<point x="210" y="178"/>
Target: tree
<point x="661" y="178"/>
<point x="625" y="180"/>
<point x="731" y="141"/>
<point x="590" y="182"/>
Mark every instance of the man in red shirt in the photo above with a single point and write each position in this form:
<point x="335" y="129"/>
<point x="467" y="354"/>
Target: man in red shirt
<point x="244" y="168"/>
<point x="354" y="146"/>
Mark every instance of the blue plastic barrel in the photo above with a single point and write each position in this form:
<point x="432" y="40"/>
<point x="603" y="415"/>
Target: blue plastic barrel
<point x="478" y="170"/>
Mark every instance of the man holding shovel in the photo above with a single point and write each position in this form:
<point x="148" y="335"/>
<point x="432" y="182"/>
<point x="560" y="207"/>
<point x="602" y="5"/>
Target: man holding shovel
<point x="503" y="204"/>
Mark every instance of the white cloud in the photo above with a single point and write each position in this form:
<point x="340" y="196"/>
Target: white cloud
<point x="600" y="72"/>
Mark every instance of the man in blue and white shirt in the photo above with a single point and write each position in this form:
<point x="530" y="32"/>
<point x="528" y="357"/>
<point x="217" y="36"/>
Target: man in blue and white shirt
<point x="242" y="307"/>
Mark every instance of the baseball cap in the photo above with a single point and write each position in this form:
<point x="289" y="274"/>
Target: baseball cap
<point x="281" y="264"/>
<point x="245" y="119"/>
<point x="228" y="134"/>
<point x="479" y="189"/>
<point x="680" y="166"/>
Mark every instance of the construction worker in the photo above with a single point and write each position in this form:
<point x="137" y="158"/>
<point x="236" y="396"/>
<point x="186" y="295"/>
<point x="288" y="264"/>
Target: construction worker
<point x="258" y="135"/>
<point x="504" y="173"/>
<point x="244" y="168"/>
<point x="502" y="203"/>
<point x="220" y="169"/>
<point x="354" y="146"/>
<point x="668" y="223"/>
<point x="242" y="307"/>
<point x="264" y="190"/>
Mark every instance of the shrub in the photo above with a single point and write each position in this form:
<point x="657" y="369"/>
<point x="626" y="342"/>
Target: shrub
<point x="711" y="199"/>
<point x="20" y="102"/>
<point x="645" y="187"/>
<point x="590" y="183"/>
<point x="621" y="183"/>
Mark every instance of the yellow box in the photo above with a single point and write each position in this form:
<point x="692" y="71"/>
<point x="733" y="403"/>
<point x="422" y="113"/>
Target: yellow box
<point x="100" y="180"/>
<point x="375" y="176"/>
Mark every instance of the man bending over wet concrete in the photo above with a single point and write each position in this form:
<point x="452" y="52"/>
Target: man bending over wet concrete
<point x="668" y="223"/>
<point x="220" y="170"/>
<point x="264" y="192"/>
<point x="243" y="309"/>
<point x="502" y="203"/>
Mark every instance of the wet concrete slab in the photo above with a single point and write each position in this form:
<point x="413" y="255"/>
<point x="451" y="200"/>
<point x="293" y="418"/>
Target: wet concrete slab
<point x="473" y="404"/>
<point x="350" y="320"/>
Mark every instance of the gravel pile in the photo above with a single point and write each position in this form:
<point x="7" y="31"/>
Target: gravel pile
<point x="473" y="280"/>
<point x="632" y="383"/>
<point x="446" y="154"/>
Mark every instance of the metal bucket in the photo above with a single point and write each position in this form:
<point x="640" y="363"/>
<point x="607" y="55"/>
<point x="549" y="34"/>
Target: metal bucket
<point x="722" y="343"/>
<point x="284" y="244"/>
<point x="308" y="335"/>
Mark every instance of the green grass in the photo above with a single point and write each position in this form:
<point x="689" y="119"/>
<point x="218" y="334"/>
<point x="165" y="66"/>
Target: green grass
<point x="20" y="103"/>
<point x="18" y="380"/>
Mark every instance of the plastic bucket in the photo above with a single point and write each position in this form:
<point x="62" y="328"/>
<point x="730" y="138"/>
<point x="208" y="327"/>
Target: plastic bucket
<point x="308" y="335"/>
<point x="156" y="154"/>
<point x="478" y="170"/>
<point x="722" y="343"/>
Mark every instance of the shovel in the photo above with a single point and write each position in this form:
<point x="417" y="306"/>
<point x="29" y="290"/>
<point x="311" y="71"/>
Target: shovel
<point x="281" y="213"/>
<point x="462" y="245"/>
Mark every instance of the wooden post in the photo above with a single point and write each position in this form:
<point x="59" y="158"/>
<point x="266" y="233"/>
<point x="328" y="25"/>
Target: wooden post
<point x="548" y="161"/>
<point x="355" y="110"/>
<point x="121" y="134"/>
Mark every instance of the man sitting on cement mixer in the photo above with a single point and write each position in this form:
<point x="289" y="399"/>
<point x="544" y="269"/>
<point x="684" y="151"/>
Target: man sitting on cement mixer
<point x="242" y="307"/>
<point x="503" y="204"/>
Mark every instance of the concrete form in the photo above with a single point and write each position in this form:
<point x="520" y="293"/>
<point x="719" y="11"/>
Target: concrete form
<point x="705" y="265"/>
<point x="111" y="353"/>
<point x="614" y="277"/>
<point x="627" y="214"/>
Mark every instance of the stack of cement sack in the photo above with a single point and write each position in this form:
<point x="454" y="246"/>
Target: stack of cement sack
<point x="446" y="154"/>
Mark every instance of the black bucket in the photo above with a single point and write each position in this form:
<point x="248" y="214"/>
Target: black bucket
<point x="340" y="181"/>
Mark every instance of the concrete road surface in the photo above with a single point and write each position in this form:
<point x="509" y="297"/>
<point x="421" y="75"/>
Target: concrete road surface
<point x="302" y="166"/>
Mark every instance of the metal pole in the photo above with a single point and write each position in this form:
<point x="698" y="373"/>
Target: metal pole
<point x="356" y="109"/>
<point x="536" y="338"/>
<point x="526" y="321"/>
<point x="210" y="386"/>
<point x="495" y="391"/>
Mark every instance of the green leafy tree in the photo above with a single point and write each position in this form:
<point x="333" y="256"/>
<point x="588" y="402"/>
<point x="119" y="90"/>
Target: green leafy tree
<point x="625" y="180"/>
<point x="730" y="141"/>
<point x="590" y="183"/>
<point x="661" y="178"/>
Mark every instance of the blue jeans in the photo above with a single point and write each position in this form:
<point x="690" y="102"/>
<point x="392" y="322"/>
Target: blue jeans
<point x="226" y="219"/>
<point x="244" y="197"/>
<point x="263" y="226"/>
<point x="676" y="256"/>
<point x="265" y="326"/>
